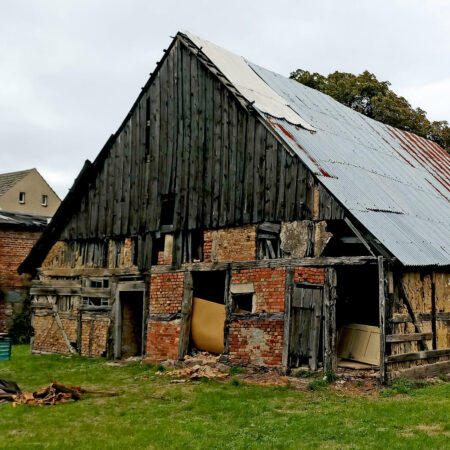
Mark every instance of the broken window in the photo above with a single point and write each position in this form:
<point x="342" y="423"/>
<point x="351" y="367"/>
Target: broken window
<point x="268" y="240"/>
<point x="243" y="298"/>
<point x="97" y="283"/>
<point x="243" y="303"/>
<point x="95" y="301"/>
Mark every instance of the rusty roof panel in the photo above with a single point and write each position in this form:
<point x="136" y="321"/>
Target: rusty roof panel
<point x="394" y="182"/>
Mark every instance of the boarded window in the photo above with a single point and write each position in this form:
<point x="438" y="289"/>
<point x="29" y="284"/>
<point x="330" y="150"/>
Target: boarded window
<point x="268" y="240"/>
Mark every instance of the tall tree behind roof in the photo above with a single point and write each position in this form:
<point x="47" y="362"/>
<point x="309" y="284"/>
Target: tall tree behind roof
<point x="373" y="98"/>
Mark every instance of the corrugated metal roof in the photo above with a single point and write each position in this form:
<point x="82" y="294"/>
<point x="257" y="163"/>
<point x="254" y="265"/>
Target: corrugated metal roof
<point x="395" y="183"/>
<point x="8" y="180"/>
<point x="23" y="220"/>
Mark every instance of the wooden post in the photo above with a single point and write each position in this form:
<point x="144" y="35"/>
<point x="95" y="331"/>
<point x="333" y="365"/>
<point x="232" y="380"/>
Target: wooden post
<point x="186" y="314"/>
<point x="382" y="318"/>
<point x="288" y="287"/>
<point x="329" y="329"/>
<point x="433" y="312"/>
<point x="228" y="311"/>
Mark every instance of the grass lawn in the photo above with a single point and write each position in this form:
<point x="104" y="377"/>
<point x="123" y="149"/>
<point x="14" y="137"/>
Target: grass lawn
<point x="154" y="413"/>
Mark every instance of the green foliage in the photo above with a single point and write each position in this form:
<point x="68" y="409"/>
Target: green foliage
<point x="235" y="382"/>
<point x="404" y="387"/>
<point x="236" y="370"/>
<point x="373" y="98"/>
<point x="324" y="380"/>
<point x="302" y="373"/>
<point x="317" y="384"/>
<point x="21" y="329"/>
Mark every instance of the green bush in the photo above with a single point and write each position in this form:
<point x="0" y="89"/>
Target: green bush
<point x="403" y="386"/>
<point x="236" y="370"/>
<point x="317" y="384"/>
<point x="21" y="329"/>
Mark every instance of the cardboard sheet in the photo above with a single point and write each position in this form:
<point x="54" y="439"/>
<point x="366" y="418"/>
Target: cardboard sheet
<point x="208" y="319"/>
<point x="359" y="342"/>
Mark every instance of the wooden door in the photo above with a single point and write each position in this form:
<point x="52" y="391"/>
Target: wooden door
<point x="305" y="326"/>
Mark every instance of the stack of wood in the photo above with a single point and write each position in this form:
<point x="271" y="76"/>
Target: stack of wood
<point x="52" y="394"/>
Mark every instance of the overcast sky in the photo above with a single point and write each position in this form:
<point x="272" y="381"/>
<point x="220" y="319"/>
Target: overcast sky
<point x="71" y="69"/>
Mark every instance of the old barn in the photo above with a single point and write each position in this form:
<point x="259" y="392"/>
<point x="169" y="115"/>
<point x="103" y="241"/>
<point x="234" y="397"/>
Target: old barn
<point x="242" y="213"/>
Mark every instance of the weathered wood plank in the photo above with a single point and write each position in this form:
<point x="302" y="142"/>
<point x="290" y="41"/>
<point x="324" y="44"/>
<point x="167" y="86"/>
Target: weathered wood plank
<point x="408" y="337"/>
<point x="413" y="356"/>
<point x="425" y="371"/>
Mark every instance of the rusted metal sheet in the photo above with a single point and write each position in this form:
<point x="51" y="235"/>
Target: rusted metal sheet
<point x="395" y="183"/>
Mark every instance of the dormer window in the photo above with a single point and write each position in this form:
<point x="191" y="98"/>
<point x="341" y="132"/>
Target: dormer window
<point x="21" y="197"/>
<point x="44" y="200"/>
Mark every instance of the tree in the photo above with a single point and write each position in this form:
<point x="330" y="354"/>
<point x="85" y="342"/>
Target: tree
<point x="373" y="98"/>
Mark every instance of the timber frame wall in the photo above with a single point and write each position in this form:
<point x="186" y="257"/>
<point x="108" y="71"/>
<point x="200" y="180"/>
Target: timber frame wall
<point x="191" y="144"/>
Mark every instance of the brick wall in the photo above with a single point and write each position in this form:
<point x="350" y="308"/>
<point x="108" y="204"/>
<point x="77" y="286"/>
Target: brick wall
<point x="94" y="336"/>
<point x="230" y="244"/>
<point x="268" y="284"/>
<point x="14" y="247"/>
<point x="48" y="336"/>
<point x="257" y="343"/>
<point x="166" y="292"/>
<point x="162" y="341"/>
<point x="309" y="275"/>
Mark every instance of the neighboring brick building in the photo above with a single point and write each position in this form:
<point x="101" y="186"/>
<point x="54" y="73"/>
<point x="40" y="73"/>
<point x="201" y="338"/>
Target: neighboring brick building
<point x="237" y="211"/>
<point x="18" y="234"/>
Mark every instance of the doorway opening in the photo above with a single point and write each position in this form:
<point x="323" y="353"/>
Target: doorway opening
<point x="208" y="311"/>
<point x="357" y="317"/>
<point x="131" y="323"/>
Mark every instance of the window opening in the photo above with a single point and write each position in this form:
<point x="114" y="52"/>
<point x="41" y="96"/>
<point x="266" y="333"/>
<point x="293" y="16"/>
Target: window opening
<point x="44" y="200"/>
<point x="95" y="301"/>
<point x="167" y="209"/>
<point x="243" y="303"/>
<point x="268" y="240"/>
<point x="21" y="197"/>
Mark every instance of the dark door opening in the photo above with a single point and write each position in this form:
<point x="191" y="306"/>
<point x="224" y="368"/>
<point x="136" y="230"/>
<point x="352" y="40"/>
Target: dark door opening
<point x="131" y="308"/>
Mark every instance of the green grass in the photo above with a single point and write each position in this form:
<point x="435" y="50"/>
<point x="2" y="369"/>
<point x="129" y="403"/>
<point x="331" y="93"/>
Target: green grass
<point x="154" y="413"/>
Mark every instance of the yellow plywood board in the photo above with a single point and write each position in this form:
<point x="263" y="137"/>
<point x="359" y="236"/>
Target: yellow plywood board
<point x="359" y="342"/>
<point x="208" y="319"/>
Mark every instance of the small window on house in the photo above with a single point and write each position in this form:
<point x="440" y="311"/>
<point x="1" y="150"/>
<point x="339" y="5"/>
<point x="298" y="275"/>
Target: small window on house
<point x="167" y="210"/>
<point x="22" y="197"/>
<point x="268" y="241"/>
<point x="243" y="303"/>
<point x="44" y="200"/>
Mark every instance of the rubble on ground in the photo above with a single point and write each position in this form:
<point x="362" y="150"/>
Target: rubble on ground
<point x="53" y="394"/>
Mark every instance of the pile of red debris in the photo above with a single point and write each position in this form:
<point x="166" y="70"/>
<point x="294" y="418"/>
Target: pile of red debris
<point x="196" y="372"/>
